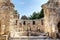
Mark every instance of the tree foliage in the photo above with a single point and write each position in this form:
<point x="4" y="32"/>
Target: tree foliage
<point x="24" y="17"/>
<point x="41" y="14"/>
<point x="16" y="11"/>
<point x="37" y="15"/>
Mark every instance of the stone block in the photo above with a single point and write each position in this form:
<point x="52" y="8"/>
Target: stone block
<point x="3" y="37"/>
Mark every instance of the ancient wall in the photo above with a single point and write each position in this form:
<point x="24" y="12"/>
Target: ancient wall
<point x="51" y="16"/>
<point x="6" y="17"/>
<point x="10" y="23"/>
<point x="31" y="25"/>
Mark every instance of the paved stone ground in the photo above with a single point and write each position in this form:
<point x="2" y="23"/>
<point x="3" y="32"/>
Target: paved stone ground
<point x="33" y="38"/>
<point x="41" y="37"/>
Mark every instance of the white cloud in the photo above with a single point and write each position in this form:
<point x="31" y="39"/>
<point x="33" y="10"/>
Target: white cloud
<point x="21" y="3"/>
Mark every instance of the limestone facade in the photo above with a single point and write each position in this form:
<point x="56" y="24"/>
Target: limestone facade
<point x="51" y="17"/>
<point x="23" y="26"/>
<point x="8" y="18"/>
<point x="6" y="13"/>
<point x="11" y="25"/>
<point x="31" y="24"/>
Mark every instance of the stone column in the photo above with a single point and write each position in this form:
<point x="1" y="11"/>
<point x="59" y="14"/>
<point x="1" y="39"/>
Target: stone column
<point x="51" y="9"/>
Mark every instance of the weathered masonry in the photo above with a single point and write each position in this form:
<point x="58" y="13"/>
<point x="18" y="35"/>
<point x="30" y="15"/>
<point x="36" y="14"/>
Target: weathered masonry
<point x="12" y="26"/>
<point x="52" y="17"/>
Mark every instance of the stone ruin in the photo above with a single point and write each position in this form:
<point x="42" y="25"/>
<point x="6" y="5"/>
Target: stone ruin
<point x="52" y="17"/>
<point x="10" y="24"/>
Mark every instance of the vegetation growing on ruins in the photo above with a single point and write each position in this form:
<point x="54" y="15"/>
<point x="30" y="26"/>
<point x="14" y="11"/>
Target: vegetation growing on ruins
<point x="37" y="15"/>
<point x="24" y="17"/>
<point x="16" y="11"/>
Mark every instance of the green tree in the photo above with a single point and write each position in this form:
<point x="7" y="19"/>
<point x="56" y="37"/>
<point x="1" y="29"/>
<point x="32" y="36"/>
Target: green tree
<point x="24" y="17"/>
<point x="33" y="16"/>
<point x="37" y="15"/>
<point x="41" y="14"/>
<point x="16" y="11"/>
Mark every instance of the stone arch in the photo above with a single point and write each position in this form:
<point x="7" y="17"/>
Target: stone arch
<point x="24" y="23"/>
<point x="58" y="26"/>
<point x="33" y="22"/>
<point x="0" y="26"/>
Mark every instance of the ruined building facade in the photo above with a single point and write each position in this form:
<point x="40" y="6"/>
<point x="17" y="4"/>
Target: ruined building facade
<point x="12" y="26"/>
<point x="8" y="17"/>
<point x="52" y="17"/>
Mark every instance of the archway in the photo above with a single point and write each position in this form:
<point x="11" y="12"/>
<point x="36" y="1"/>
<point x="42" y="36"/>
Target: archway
<point x="58" y="26"/>
<point x="0" y="26"/>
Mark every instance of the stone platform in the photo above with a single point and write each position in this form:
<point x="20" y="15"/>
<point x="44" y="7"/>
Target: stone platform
<point x="3" y="37"/>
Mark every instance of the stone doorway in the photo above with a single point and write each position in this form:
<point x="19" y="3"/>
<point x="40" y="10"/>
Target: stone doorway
<point x="58" y="34"/>
<point x="58" y="27"/>
<point x="0" y="26"/>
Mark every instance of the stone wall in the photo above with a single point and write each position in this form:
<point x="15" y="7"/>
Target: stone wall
<point x="52" y="15"/>
<point x="7" y="17"/>
<point x="10" y="23"/>
<point x="22" y="27"/>
<point x="4" y="17"/>
<point x="31" y="25"/>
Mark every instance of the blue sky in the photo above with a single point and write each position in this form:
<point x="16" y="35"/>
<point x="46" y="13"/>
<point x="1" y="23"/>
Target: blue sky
<point x="27" y="7"/>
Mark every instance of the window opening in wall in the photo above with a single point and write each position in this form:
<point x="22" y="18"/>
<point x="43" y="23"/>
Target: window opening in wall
<point x="24" y="22"/>
<point x="42" y="22"/>
<point x="33" y="22"/>
<point x="0" y="26"/>
<point x="58" y="27"/>
<point x="16" y="22"/>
